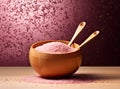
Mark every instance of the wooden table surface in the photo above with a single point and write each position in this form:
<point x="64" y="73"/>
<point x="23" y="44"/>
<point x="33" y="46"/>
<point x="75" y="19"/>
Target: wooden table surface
<point x="88" y="78"/>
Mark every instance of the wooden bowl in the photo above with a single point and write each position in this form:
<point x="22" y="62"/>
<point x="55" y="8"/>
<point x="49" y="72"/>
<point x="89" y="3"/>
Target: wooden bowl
<point x="54" y="65"/>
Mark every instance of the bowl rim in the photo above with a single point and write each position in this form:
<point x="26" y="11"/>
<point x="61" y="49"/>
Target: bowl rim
<point x="46" y="41"/>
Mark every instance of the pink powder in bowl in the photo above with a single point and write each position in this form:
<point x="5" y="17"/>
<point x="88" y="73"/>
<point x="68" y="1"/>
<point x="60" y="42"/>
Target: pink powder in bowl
<point x="55" y="47"/>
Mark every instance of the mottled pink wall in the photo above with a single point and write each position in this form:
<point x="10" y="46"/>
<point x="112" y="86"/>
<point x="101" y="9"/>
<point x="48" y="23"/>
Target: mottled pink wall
<point x="23" y="22"/>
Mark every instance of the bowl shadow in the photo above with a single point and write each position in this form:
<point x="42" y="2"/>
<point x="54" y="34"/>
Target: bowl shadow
<point x="73" y="79"/>
<point x="87" y="77"/>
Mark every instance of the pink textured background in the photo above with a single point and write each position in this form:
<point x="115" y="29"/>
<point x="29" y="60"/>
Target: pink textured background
<point x="23" y="22"/>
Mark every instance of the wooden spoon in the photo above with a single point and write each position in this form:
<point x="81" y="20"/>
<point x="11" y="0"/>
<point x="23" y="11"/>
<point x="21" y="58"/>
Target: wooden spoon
<point x="78" y="30"/>
<point x="94" y="34"/>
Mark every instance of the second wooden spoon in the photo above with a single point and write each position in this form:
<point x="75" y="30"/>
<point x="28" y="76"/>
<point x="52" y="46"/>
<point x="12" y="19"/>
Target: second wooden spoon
<point x="94" y="34"/>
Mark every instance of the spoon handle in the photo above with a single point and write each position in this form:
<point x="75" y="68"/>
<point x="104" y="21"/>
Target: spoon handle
<point x="79" y="29"/>
<point x="94" y="34"/>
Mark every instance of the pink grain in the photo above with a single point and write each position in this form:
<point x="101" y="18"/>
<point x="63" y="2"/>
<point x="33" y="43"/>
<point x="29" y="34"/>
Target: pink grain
<point x="55" y="47"/>
<point x="69" y="80"/>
